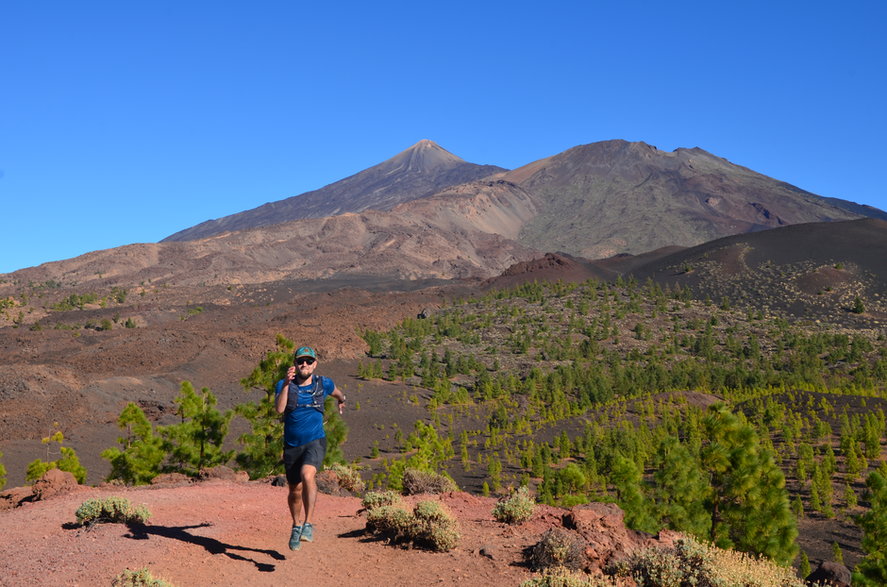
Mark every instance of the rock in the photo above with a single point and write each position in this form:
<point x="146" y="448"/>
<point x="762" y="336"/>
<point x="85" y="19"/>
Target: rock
<point x="328" y="482"/>
<point x="12" y="498"/>
<point x="830" y="573"/>
<point x="54" y="482"/>
<point x="490" y="551"/>
<point x="171" y="479"/>
<point x="224" y="473"/>
<point x="603" y="527"/>
<point x="279" y="481"/>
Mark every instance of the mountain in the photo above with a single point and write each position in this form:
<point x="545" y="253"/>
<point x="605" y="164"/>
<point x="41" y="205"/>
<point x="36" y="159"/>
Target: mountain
<point x="613" y="197"/>
<point x="421" y="170"/>
<point x="467" y="231"/>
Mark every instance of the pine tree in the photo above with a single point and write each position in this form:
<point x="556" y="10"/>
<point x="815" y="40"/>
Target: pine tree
<point x="872" y="570"/>
<point x="681" y="490"/>
<point x="67" y="459"/>
<point x="196" y="442"/>
<point x="141" y="456"/>
<point x="627" y="478"/>
<point x="262" y="445"/>
<point x="749" y="503"/>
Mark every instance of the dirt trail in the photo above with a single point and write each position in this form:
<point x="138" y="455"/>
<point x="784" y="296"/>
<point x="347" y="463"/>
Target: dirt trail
<point x="227" y="533"/>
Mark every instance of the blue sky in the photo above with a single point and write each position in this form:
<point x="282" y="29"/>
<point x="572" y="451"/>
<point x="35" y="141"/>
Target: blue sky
<point x="124" y="122"/>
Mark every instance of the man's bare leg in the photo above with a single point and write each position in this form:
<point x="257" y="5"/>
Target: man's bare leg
<point x="309" y="491"/>
<point x="294" y="499"/>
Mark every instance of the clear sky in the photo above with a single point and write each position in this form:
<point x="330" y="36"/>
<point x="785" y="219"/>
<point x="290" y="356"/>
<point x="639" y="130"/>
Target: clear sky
<point x="124" y="122"/>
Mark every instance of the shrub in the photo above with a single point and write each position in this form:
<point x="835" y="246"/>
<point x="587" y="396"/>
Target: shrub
<point x="111" y="509"/>
<point x="558" y="548"/>
<point x="349" y="477"/>
<point x="375" y="499"/>
<point x="140" y="578"/>
<point x="429" y="526"/>
<point x="416" y="482"/>
<point x="690" y="562"/>
<point x="389" y="522"/>
<point x="516" y="508"/>
<point x="561" y="577"/>
<point x="434" y="526"/>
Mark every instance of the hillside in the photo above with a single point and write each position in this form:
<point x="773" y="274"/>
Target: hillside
<point x="465" y="232"/>
<point x="612" y="197"/>
<point x="810" y="271"/>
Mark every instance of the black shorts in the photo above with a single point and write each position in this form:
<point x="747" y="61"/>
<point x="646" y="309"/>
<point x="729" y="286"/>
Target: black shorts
<point x="294" y="457"/>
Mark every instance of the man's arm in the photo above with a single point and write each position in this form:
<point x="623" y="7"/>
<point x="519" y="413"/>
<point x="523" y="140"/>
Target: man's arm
<point x="340" y="397"/>
<point x="283" y="396"/>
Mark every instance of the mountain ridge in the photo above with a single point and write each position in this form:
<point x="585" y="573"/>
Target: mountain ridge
<point x="416" y="172"/>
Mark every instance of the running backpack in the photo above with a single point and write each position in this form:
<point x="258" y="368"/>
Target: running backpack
<point x="292" y="400"/>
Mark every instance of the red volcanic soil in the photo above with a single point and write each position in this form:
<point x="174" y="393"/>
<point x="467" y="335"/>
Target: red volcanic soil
<point x="229" y="533"/>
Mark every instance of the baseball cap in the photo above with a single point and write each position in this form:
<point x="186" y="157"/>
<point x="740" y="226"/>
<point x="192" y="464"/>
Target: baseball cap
<point x="305" y="351"/>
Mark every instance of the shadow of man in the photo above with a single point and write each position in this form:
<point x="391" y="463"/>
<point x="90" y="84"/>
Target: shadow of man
<point x="213" y="546"/>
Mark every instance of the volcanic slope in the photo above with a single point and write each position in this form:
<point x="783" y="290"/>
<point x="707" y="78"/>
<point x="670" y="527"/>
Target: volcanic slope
<point x="421" y="170"/>
<point x="815" y="270"/>
<point x="467" y="231"/>
<point x="613" y="197"/>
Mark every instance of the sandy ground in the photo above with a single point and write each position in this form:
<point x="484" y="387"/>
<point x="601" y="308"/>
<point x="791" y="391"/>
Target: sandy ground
<point x="227" y="533"/>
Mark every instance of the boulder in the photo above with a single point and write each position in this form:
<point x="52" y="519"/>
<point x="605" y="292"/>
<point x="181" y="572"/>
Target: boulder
<point x="603" y="527"/>
<point x="829" y="573"/>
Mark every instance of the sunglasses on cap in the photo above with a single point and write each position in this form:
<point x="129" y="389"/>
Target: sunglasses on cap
<point x="306" y="360"/>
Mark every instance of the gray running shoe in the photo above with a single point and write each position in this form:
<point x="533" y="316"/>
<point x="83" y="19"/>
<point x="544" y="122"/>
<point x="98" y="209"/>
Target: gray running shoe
<point x="307" y="532"/>
<point x="295" y="538"/>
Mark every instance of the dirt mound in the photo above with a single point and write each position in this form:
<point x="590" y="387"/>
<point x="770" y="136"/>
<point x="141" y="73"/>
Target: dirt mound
<point x="551" y="267"/>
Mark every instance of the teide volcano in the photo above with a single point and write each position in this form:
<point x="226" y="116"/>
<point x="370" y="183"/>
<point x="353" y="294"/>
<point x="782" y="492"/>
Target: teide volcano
<point x="421" y="170"/>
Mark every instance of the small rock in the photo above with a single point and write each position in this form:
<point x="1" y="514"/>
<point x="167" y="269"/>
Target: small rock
<point x="489" y="551"/>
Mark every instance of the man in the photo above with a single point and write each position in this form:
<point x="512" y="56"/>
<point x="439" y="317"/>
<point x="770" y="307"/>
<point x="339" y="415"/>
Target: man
<point x="300" y="397"/>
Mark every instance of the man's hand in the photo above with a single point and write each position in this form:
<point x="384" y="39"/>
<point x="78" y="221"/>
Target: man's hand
<point x="290" y="374"/>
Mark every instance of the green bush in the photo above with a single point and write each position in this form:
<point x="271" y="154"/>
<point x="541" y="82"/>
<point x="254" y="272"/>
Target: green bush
<point x="390" y="522"/>
<point x="374" y="499"/>
<point x="561" y="577"/>
<point x="67" y="461"/>
<point x="429" y="526"/>
<point x="140" y="578"/>
<point x="434" y="527"/>
<point x="516" y="508"/>
<point x="558" y="548"/>
<point x="690" y="562"/>
<point x="417" y="482"/>
<point x="111" y="509"/>
<point x="349" y="477"/>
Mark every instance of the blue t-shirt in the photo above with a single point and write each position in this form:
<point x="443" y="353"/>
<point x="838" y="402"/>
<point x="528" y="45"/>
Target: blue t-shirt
<point x="304" y="424"/>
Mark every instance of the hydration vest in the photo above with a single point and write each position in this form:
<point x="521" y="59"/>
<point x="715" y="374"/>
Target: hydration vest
<point x="317" y="398"/>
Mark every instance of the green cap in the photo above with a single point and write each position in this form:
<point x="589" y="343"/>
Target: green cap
<point x="305" y="351"/>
